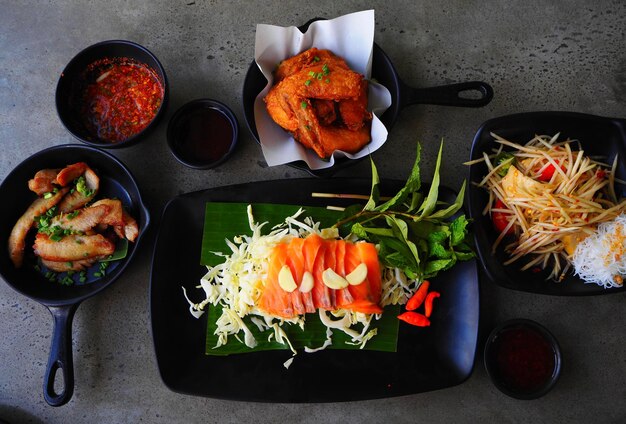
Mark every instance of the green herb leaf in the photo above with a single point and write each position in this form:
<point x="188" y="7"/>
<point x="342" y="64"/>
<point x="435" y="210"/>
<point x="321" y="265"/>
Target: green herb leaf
<point x="412" y="185"/>
<point x="374" y="196"/>
<point x="458" y="229"/>
<point x="431" y="200"/>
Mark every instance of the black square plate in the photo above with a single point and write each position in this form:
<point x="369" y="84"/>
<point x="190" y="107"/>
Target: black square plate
<point x="598" y="136"/>
<point x="427" y="359"/>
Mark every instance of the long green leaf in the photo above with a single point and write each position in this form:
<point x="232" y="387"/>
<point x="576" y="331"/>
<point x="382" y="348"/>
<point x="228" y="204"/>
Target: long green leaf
<point x="431" y="200"/>
<point x="453" y="208"/>
<point x="413" y="184"/>
<point x="374" y="194"/>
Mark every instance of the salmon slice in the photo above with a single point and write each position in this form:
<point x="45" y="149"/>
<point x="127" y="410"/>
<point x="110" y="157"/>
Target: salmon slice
<point x="343" y="296"/>
<point x="365" y="299"/>
<point x="73" y="247"/>
<point x="314" y="256"/>
<point x="274" y="300"/>
<point x="369" y="256"/>
<point x="17" y="238"/>
<point x="330" y="262"/>
<point x="295" y="261"/>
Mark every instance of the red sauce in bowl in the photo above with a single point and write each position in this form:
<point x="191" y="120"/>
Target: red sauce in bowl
<point x="523" y="359"/>
<point x="119" y="99"/>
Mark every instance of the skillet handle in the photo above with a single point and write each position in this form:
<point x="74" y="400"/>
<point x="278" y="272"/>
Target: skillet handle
<point x="61" y="358"/>
<point x="448" y="95"/>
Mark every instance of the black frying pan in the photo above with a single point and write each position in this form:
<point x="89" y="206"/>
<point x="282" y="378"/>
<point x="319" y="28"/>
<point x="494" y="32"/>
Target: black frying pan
<point x="385" y="73"/>
<point x="62" y="301"/>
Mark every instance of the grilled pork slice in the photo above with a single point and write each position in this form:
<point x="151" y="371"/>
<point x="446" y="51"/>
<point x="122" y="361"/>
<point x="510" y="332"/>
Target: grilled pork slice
<point x="123" y="223"/>
<point x="73" y="247"/>
<point x="71" y="172"/>
<point x="115" y="214"/>
<point x="25" y="223"/>
<point x="131" y="228"/>
<point x="43" y="181"/>
<point x="64" y="266"/>
<point x="81" y="195"/>
<point x="81" y="220"/>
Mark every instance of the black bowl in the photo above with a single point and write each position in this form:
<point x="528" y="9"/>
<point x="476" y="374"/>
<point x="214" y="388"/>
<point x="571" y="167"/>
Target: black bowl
<point x="203" y="133"/>
<point x="72" y="80"/>
<point x="597" y="135"/>
<point x="523" y="359"/>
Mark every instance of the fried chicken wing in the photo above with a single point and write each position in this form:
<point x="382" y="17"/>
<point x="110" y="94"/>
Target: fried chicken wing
<point x="321" y="102"/>
<point x="306" y="59"/>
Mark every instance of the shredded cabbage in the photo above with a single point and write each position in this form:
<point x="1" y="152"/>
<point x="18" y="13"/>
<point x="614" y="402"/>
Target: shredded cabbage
<point x="236" y="285"/>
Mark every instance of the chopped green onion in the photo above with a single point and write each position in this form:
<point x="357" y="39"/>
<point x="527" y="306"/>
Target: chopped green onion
<point x="303" y="105"/>
<point x="316" y="59"/>
<point x="307" y="82"/>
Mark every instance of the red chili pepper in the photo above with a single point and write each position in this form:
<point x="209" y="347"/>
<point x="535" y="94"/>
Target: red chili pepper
<point x="428" y="303"/>
<point x="600" y="174"/>
<point x="414" y="318"/>
<point x="500" y="219"/>
<point x="418" y="297"/>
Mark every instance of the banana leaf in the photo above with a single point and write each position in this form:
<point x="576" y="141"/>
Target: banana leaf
<point x="226" y="220"/>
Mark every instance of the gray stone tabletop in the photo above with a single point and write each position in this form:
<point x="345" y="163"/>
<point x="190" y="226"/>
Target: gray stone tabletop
<point x="537" y="55"/>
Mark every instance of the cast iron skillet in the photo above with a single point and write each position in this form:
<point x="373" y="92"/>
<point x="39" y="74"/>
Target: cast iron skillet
<point x="385" y="73"/>
<point x="62" y="301"/>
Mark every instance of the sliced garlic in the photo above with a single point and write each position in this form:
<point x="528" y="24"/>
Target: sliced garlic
<point x="285" y="279"/>
<point x="334" y="280"/>
<point x="307" y="282"/>
<point x="358" y="275"/>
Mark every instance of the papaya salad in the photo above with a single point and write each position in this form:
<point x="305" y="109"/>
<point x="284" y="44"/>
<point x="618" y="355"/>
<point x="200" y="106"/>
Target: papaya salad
<point x="551" y="204"/>
<point x="375" y="255"/>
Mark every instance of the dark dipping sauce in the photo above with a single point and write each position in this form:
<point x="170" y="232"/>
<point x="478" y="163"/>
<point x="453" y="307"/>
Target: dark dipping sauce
<point x="119" y="98"/>
<point x="523" y="359"/>
<point x="203" y="135"/>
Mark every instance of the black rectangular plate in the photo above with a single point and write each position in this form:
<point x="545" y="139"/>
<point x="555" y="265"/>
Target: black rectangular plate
<point x="598" y="136"/>
<point x="436" y="357"/>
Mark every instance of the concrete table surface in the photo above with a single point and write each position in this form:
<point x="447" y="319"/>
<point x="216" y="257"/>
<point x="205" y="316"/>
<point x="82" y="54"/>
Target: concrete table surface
<point x="566" y="55"/>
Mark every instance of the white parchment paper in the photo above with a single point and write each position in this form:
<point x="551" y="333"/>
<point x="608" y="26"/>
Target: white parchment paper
<point x="349" y="36"/>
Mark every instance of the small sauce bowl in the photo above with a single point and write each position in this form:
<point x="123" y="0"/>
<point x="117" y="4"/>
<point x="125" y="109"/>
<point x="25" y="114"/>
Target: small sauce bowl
<point x="202" y="134"/>
<point x="523" y="359"/>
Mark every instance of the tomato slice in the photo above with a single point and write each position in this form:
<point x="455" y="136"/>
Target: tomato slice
<point x="500" y="219"/>
<point x="547" y="173"/>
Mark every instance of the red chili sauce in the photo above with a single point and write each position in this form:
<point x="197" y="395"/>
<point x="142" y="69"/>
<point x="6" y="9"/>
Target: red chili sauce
<point x="524" y="359"/>
<point x="120" y="99"/>
<point x="204" y="135"/>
